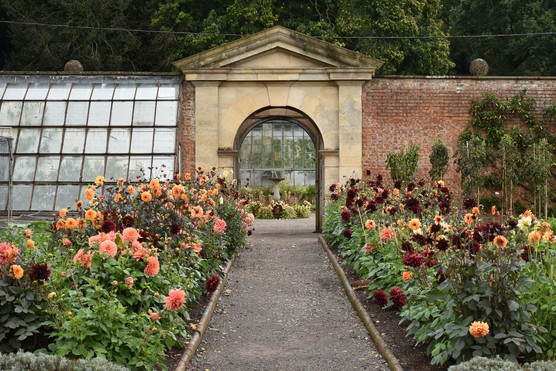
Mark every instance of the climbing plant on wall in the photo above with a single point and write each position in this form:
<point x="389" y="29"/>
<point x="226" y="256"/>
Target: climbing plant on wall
<point x="507" y="148"/>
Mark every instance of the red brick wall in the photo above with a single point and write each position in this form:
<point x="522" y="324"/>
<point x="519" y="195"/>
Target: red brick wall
<point x="186" y="127"/>
<point x="418" y="110"/>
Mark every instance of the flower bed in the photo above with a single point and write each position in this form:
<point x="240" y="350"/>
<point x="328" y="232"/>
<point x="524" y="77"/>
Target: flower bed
<point x="466" y="284"/>
<point x="114" y="276"/>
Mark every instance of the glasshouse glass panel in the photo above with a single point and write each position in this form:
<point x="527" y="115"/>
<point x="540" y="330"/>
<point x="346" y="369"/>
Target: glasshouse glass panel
<point x="143" y="115"/>
<point x="51" y="140"/>
<point x="122" y="112"/>
<point x="142" y="141"/>
<point x="164" y="141"/>
<point x="47" y="169"/>
<point x="96" y="141"/>
<point x="119" y="140"/>
<point x="99" y="113"/>
<point x="21" y="197"/>
<point x="117" y="167"/>
<point x="166" y="113"/>
<point x="74" y="141"/>
<point x="24" y="168"/>
<point x="139" y="167"/>
<point x="70" y="169"/>
<point x="103" y="91"/>
<point x="4" y="167"/>
<point x="81" y="92"/>
<point x="3" y="197"/>
<point x="32" y="113"/>
<point x="93" y="166"/>
<point x="2" y="88"/>
<point x="125" y="92"/>
<point x="146" y="92"/>
<point x="168" y="92"/>
<point x="37" y="91"/>
<point x="77" y="113"/>
<point x="55" y="113"/>
<point x="163" y="167"/>
<point x="10" y="113"/>
<point x="15" y="91"/>
<point x="28" y="141"/>
<point x="43" y="197"/>
<point x="59" y="92"/>
<point x="66" y="196"/>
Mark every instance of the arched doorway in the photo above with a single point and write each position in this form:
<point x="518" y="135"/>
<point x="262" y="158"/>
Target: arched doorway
<point x="279" y="142"/>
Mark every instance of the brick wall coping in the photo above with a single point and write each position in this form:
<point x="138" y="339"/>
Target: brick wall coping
<point x="462" y="77"/>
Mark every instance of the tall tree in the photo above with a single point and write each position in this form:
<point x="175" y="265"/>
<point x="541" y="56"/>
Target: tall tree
<point x="371" y="22"/>
<point x="506" y="55"/>
<point x="34" y="47"/>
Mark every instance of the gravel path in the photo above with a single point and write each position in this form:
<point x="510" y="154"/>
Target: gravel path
<point x="284" y="309"/>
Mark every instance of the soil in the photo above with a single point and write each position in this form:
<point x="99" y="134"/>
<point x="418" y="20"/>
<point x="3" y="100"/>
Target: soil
<point x="411" y="357"/>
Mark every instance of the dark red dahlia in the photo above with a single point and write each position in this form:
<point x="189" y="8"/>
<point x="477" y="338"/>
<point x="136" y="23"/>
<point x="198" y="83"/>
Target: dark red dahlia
<point x="380" y="297"/>
<point x="346" y="215"/>
<point x="174" y="228"/>
<point x="398" y="297"/>
<point x="398" y="184"/>
<point x="442" y="244"/>
<point x="371" y="206"/>
<point x="332" y="187"/>
<point x="406" y="246"/>
<point x="212" y="283"/>
<point x="512" y="224"/>
<point x="379" y="200"/>
<point x="411" y="186"/>
<point x="127" y="221"/>
<point x="470" y="203"/>
<point x="412" y="204"/>
<point x="435" y="228"/>
<point x="334" y="197"/>
<point x="347" y="233"/>
<point x="39" y="273"/>
<point x="419" y="239"/>
<point x="385" y="194"/>
<point x="108" y="226"/>
<point x="527" y="251"/>
<point x="413" y="260"/>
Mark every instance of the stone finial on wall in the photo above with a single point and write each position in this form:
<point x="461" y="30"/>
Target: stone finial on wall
<point x="73" y="66"/>
<point x="478" y="67"/>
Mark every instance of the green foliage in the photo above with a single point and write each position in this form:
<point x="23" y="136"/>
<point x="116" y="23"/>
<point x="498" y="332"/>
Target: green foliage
<point x="39" y="48"/>
<point x="522" y="55"/>
<point x="499" y="364"/>
<point x="403" y="164"/>
<point x="121" y="271"/>
<point x="439" y="159"/>
<point x="22" y="361"/>
<point x="506" y="147"/>
<point x="457" y="275"/>
<point x="360" y="18"/>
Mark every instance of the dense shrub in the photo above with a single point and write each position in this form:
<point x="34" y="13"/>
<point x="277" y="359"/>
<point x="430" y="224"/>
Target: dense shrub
<point x="466" y="283"/>
<point x="22" y="361"/>
<point x="118" y="272"/>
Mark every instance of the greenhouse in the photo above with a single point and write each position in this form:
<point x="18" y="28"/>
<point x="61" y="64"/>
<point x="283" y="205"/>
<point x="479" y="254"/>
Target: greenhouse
<point x="67" y="130"/>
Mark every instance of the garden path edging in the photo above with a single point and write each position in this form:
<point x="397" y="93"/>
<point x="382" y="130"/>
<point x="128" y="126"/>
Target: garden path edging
<point x="377" y="339"/>
<point x="202" y="326"/>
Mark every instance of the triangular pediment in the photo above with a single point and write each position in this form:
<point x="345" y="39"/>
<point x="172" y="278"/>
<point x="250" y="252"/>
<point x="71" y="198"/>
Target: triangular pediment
<point x="278" y="48"/>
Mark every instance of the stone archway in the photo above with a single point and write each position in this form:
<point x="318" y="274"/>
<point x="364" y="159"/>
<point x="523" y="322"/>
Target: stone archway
<point x="297" y="118"/>
<point x="276" y="69"/>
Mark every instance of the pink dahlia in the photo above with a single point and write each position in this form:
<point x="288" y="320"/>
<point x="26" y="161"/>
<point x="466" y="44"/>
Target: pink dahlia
<point x="108" y="248"/>
<point x="152" y="267"/>
<point x="175" y="299"/>
<point x="219" y="226"/>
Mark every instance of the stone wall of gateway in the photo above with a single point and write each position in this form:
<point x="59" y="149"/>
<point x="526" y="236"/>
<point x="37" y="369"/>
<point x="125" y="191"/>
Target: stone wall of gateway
<point x="418" y="110"/>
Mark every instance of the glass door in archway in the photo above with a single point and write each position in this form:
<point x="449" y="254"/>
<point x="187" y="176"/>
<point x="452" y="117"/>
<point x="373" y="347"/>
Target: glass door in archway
<point x="276" y="149"/>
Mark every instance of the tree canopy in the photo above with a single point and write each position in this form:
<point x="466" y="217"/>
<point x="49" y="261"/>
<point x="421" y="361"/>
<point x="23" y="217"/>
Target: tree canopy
<point x="408" y="35"/>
